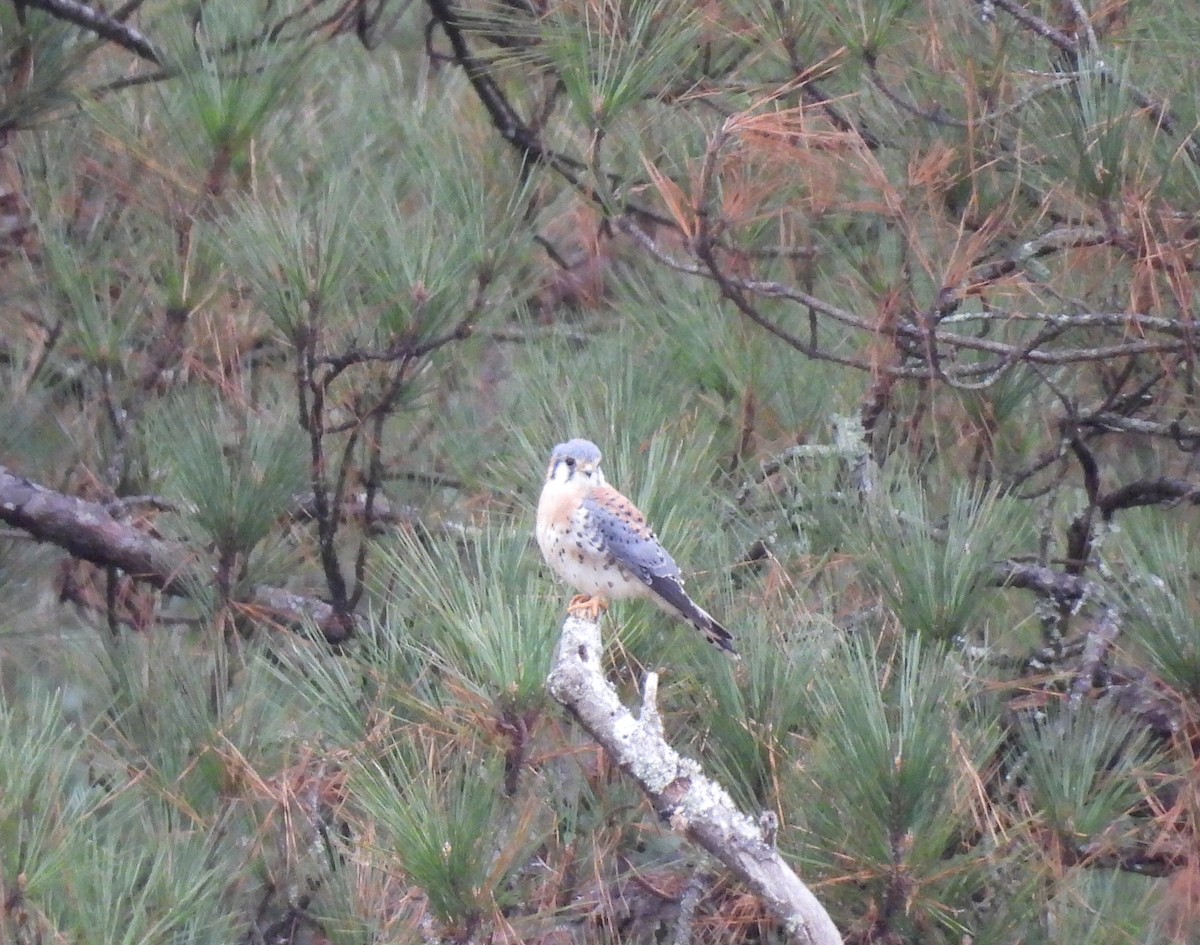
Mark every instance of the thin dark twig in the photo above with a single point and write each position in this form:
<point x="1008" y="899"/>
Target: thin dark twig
<point x="403" y="350"/>
<point x="103" y="24"/>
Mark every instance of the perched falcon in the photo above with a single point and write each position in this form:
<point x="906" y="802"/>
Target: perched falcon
<point x="597" y="541"/>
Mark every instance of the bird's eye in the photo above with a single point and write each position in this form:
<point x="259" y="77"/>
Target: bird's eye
<point x="570" y="461"/>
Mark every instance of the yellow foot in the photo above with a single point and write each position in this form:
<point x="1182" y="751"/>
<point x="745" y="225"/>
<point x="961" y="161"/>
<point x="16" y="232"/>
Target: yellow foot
<point x="587" y="607"/>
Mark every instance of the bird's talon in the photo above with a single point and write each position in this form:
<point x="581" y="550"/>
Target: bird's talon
<point x="586" y="607"/>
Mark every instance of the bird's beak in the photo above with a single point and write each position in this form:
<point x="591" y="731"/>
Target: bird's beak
<point x="587" y="468"/>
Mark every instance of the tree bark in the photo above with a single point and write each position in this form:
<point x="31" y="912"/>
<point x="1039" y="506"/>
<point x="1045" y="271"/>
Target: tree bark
<point x="693" y="804"/>
<point x="87" y="530"/>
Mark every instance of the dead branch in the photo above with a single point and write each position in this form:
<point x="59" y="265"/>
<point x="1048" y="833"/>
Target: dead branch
<point x="101" y="23"/>
<point x="693" y="804"/>
<point x="87" y="530"/>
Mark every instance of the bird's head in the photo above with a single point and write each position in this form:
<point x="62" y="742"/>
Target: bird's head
<point x="576" y="462"/>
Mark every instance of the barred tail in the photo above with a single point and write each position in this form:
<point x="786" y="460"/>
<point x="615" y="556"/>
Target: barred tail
<point x="670" y="595"/>
<point x="713" y="632"/>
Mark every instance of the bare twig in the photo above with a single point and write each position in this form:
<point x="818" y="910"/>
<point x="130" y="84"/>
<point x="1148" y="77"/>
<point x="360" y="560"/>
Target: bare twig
<point x="102" y="24"/>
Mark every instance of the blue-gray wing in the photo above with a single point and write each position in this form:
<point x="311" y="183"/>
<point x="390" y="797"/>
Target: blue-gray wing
<point x="621" y="529"/>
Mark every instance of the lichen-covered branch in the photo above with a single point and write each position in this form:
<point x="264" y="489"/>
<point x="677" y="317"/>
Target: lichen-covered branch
<point x="692" y="803"/>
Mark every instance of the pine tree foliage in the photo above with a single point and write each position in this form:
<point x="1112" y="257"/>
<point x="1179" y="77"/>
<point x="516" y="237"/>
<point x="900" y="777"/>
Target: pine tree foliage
<point x="1157" y="589"/>
<point x="934" y="576"/>
<point x="896" y="739"/>
<point x="882" y="312"/>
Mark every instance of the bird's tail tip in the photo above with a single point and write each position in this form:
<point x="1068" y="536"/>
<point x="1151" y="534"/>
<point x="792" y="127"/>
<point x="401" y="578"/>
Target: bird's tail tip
<point x="718" y="636"/>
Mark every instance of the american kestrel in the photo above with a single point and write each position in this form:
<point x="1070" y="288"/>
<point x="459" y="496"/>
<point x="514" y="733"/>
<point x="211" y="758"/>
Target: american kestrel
<point x="597" y="541"/>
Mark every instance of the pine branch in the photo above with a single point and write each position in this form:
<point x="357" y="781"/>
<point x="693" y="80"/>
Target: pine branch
<point x="692" y="803"/>
<point x="87" y="530"/>
<point x="101" y="23"/>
